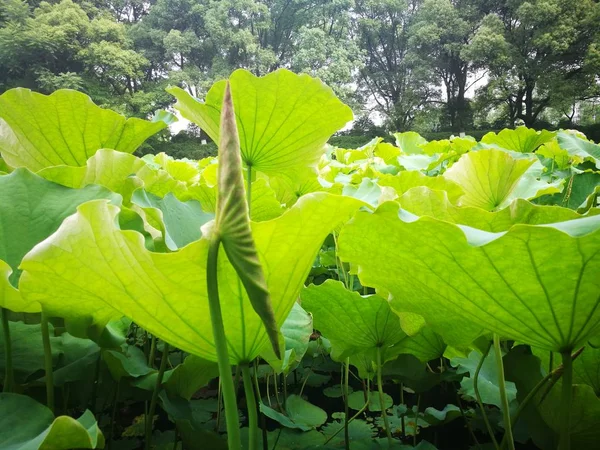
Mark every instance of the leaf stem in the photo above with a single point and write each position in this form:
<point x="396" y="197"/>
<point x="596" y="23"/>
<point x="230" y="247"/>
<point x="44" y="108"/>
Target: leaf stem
<point x="161" y="371"/>
<point x="402" y="402"/>
<point x="478" y="397"/>
<point x="251" y="404"/>
<point x="360" y="411"/>
<point x="113" y="415"/>
<point x="346" y="418"/>
<point x="48" y="362"/>
<point x="263" y="422"/>
<point x="416" y="430"/>
<point x="216" y="317"/>
<point x="9" y="374"/>
<point x="564" y="442"/>
<point x="382" y="399"/>
<point x="152" y="352"/>
<point x="503" y="397"/>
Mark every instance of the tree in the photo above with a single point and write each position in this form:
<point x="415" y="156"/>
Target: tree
<point x="394" y="79"/>
<point x="544" y="46"/>
<point x="441" y="34"/>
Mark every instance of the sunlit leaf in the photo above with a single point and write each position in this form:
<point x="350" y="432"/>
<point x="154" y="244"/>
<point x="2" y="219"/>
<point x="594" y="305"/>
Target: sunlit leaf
<point x="410" y="142"/>
<point x="284" y="119"/>
<point x="491" y="179"/>
<point x="521" y="139"/>
<point x="64" y="128"/>
<point x="91" y="268"/>
<point x="463" y="280"/>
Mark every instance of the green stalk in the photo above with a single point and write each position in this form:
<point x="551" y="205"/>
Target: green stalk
<point x="95" y="385"/>
<point x="285" y="392"/>
<point x="216" y="317"/>
<point x="346" y="418"/>
<point x="478" y="397"/>
<point x="503" y="397"/>
<point x="363" y="409"/>
<point x="9" y="374"/>
<point x="416" y="421"/>
<point x="467" y="423"/>
<point x="48" y="363"/>
<point x="251" y="403"/>
<point x="564" y="442"/>
<point x="219" y="403"/>
<point x="150" y="417"/>
<point x="152" y="352"/>
<point x="402" y="402"/>
<point x="113" y="415"/>
<point x="381" y="398"/>
<point x="263" y="422"/>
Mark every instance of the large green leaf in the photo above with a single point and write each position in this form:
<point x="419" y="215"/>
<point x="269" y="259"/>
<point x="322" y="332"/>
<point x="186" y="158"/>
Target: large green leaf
<point x="580" y="192"/>
<point x="492" y="179"/>
<point x="32" y="208"/>
<point x="284" y="119"/>
<point x="109" y="168"/>
<point x="424" y="202"/>
<point x="31" y="426"/>
<point x="521" y="139"/>
<point x="190" y="376"/>
<point x="410" y="142"/>
<point x="487" y="379"/>
<point x="64" y="128"/>
<point x="166" y="293"/>
<point x="409" y="179"/>
<point x="577" y="146"/>
<point x="351" y="322"/>
<point x="533" y="283"/>
<point x="543" y="420"/>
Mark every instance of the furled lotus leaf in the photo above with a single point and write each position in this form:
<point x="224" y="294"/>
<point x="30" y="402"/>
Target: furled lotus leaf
<point x="537" y="284"/>
<point x="32" y="208"/>
<point x="64" y="128"/>
<point x="491" y="179"/>
<point x="30" y="425"/>
<point x="521" y="139"/>
<point x="90" y="267"/>
<point x="232" y="222"/>
<point x="284" y="119"/>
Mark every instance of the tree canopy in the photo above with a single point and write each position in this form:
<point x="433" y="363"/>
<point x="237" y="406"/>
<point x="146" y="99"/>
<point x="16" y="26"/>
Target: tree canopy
<point x="427" y="65"/>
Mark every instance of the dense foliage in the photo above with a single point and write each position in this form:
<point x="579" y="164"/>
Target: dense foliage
<point x="416" y="294"/>
<point x="424" y="65"/>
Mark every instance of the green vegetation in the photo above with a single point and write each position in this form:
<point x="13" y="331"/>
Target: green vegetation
<point x="432" y="66"/>
<point x="427" y="294"/>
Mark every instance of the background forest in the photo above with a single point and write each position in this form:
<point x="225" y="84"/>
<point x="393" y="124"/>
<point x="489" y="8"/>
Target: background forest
<point x="434" y="66"/>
